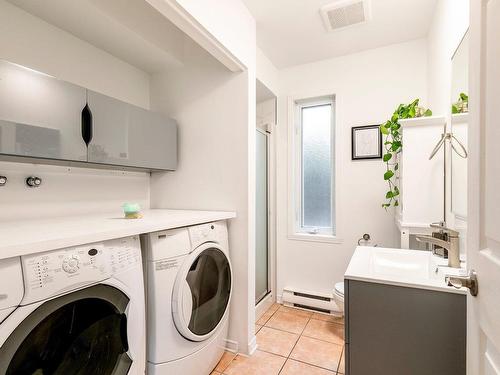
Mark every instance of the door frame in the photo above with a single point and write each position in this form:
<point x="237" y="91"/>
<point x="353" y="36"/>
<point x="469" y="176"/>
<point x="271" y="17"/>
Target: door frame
<point x="270" y="298"/>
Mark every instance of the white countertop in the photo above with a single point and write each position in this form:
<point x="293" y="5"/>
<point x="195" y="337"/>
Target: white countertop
<point x="401" y="267"/>
<point x="34" y="236"/>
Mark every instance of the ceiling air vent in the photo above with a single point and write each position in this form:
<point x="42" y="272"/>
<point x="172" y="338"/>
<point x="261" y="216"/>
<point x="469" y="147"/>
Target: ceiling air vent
<point x="345" y="13"/>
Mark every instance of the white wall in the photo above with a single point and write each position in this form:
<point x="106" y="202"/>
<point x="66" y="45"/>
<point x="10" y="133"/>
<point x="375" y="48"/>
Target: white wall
<point x="29" y="41"/>
<point x="214" y="109"/>
<point x="68" y="191"/>
<point x="368" y="86"/>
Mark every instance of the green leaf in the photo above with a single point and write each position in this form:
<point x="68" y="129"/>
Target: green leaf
<point x="396" y="203"/>
<point x="394" y="117"/>
<point x="454" y="109"/>
<point x="396" y="145"/>
<point x="396" y="166"/>
<point x="428" y="113"/>
<point x="384" y="130"/>
<point x="387" y="157"/>
<point x="388" y="175"/>
<point x="464" y="97"/>
<point x="389" y="195"/>
<point x="411" y="112"/>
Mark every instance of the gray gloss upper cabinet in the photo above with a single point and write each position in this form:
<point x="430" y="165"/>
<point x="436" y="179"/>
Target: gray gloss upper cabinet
<point x="126" y="135"/>
<point x="40" y="116"/>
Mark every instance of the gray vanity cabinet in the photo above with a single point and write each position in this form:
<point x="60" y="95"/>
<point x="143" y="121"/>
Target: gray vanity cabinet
<point x="126" y="135"/>
<point x="393" y="330"/>
<point x="40" y="116"/>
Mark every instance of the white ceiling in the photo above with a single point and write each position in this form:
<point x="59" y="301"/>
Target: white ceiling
<point x="291" y="32"/>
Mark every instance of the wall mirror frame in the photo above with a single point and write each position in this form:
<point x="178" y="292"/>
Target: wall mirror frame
<point x="458" y="129"/>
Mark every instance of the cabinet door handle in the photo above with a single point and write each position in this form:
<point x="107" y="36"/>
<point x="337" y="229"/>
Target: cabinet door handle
<point x="87" y="126"/>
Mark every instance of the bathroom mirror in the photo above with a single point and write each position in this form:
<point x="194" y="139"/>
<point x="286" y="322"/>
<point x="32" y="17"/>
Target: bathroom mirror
<point x="459" y="125"/>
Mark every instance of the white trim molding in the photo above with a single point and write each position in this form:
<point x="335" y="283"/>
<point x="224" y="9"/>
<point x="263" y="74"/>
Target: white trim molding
<point x="252" y="345"/>
<point x="315" y="238"/>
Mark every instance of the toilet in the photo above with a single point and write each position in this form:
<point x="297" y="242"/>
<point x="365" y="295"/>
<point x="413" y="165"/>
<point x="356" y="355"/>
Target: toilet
<point x="338" y="296"/>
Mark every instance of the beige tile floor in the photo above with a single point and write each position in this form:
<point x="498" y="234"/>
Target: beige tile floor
<point x="291" y="342"/>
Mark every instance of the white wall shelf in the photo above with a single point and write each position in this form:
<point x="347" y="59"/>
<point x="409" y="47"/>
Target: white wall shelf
<point x="460" y="118"/>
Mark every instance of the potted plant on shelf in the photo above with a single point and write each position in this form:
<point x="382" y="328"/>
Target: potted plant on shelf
<point x="461" y="105"/>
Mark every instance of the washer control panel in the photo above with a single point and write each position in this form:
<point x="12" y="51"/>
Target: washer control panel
<point x="55" y="272"/>
<point x="210" y="232"/>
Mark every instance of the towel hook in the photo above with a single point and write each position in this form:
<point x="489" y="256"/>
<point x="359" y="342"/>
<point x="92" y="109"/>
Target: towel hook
<point x="462" y="152"/>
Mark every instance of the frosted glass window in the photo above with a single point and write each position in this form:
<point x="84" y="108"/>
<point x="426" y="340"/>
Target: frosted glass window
<point x="317" y="166"/>
<point x="315" y="204"/>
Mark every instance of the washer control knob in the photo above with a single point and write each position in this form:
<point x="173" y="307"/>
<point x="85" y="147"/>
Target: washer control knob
<point x="71" y="264"/>
<point x="3" y="180"/>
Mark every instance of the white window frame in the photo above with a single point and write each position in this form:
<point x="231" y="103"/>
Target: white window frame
<point x="296" y="231"/>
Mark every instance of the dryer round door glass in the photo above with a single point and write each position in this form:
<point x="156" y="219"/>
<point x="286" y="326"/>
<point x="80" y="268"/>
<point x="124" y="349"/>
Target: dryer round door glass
<point x="205" y="292"/>
<point x="82" y="333"/>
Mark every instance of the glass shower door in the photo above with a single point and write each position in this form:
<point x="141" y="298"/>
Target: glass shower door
<point x="261" y="218"/>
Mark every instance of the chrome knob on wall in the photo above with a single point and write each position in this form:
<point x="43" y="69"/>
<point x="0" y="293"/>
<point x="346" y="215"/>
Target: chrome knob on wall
<point x="3" y="180"/>
<point x="33" y="181"/>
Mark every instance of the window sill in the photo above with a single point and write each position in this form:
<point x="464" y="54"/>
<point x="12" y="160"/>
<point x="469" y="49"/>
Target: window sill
<point x="315" y="238"/>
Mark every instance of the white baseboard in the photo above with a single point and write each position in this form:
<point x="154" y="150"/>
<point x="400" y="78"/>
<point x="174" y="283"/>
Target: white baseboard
<point x="279" y="299"/>
<point x="231" y="346"/>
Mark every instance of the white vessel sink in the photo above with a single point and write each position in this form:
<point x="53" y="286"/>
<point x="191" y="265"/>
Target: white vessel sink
<point x="411" y="268"/>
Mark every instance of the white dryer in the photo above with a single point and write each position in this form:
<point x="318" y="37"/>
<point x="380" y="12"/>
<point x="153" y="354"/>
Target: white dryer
<point x="77" y="311"/>
<point x="189" y="285"/>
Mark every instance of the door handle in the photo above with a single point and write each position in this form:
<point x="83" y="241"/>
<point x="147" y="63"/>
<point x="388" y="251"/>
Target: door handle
<point x="87" y="124"/>
<point x="469" y="282"/>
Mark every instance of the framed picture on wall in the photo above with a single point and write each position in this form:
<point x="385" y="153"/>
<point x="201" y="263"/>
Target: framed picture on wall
<point x="366" y="142"/>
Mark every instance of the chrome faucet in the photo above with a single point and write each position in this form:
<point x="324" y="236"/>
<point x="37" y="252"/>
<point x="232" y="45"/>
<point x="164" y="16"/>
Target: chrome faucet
<point x="452" y="245"/>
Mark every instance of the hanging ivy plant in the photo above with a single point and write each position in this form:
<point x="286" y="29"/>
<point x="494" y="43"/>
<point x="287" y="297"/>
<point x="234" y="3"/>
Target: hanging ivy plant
<point x="393" y="145"/>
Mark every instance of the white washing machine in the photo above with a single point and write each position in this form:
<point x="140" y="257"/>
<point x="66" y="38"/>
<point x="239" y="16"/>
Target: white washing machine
<point x="189" y="285"/>
<point x="77" y="311"/>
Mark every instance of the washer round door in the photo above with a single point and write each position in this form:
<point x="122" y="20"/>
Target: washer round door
<point x="81" y="333"/>
<point x="202" y="292"/>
